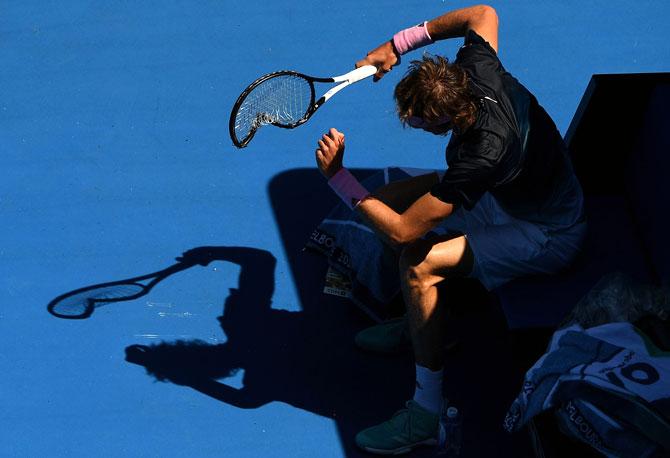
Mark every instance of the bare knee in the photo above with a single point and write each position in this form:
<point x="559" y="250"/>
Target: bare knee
<point x="424" y="263"/>
<point x="415" y="264"/>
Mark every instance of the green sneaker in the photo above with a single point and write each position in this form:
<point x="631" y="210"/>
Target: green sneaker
<point x="389" y="337"/>
<point x="407" y="429"/>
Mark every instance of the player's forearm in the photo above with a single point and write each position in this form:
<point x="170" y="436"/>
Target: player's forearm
<point x="457" y="23"/>
<point x="389" y="225"/>
<point x="393" y="226"/>
<point x="377" y="215"/>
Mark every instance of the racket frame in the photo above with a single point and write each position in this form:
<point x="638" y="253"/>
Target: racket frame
<point x="344" y="80"/>
<point x="92" y="303"/>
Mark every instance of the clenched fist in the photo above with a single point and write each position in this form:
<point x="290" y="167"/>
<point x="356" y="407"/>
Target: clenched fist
<point x="330" y="153"/>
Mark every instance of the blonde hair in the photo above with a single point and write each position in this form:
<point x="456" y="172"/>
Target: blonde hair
<point x="432" y="88"/>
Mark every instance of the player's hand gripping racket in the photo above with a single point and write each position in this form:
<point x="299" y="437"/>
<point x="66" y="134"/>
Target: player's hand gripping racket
<point x="284" y="99"/>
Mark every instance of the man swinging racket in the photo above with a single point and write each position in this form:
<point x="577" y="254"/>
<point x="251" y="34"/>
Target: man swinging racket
<point x="508" y="204"/>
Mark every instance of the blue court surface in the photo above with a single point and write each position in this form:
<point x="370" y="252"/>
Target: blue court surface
<point x="115" y="159"/>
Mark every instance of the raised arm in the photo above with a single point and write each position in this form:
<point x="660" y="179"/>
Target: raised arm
<point x="394" y="227"/>
<point x="480" y="18"/>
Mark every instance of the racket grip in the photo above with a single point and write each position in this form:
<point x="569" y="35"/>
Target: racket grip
<point x="360" y="73"/>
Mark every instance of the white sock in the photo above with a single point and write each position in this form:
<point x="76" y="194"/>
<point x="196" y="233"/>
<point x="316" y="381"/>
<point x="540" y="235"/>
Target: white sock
<point x="428" y="392"/>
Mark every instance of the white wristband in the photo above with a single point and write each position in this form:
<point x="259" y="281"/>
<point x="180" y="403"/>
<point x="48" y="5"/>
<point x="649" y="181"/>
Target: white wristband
<point x="348" y="188"/>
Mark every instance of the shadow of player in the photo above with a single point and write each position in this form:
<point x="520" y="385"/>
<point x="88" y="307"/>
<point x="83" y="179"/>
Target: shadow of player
<point x="306" y="359"/>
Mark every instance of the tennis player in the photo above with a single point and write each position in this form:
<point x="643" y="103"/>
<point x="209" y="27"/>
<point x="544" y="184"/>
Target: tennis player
<point x="508" y="204"/>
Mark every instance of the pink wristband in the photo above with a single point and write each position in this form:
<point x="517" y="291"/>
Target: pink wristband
<point x="348" y="188"/>
<point x="410" y="39"/>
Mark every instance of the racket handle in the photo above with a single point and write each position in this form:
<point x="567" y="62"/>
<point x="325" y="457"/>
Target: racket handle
<point x="360" y="73"/>
<point x="345" y="80"/>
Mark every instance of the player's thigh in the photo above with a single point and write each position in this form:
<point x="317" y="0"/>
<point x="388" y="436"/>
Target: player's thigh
<point x="434" y="259"/>
<point x="399" y="195"/>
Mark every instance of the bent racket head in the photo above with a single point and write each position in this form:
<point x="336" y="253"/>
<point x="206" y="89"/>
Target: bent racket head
<point x="283" y="99"/>
<point x="81" y="303"/>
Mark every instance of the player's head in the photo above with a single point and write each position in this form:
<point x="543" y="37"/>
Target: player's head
<point x="434" y="96"/>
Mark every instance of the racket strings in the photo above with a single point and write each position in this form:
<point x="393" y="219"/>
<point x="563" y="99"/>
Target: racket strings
<point x="283" y="100"/>
<point x="82" y="303"/>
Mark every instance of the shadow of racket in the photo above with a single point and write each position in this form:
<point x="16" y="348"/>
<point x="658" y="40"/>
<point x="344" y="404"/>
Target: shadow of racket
<point x="81" y="303"/>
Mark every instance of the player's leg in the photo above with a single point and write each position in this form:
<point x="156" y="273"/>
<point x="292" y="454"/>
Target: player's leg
<point x="423" y="265"/>
<point x="392" y="336"/>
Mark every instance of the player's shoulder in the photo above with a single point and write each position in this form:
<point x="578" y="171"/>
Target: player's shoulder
<point x="477" y="53"/>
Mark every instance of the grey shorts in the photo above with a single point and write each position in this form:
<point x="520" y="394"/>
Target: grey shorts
<point x="505" y="247"/>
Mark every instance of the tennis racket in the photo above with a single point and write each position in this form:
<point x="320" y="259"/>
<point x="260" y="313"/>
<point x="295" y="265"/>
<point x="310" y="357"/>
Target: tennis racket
<point x="81" y="303"/>
<point x="284" y="99"/>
